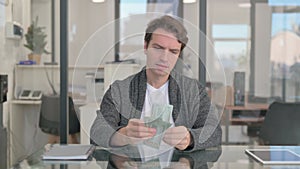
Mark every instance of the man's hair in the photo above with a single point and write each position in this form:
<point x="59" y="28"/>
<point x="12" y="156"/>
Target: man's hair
<point x="168" y="24"/>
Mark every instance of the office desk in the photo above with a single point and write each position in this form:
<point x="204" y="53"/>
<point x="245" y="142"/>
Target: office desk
<point x="224" y="157"/>
<point x="248" y="107"/>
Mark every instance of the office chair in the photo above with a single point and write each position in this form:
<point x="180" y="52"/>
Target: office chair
<point x="50" y="118"/>
<point x="281" y="125"/>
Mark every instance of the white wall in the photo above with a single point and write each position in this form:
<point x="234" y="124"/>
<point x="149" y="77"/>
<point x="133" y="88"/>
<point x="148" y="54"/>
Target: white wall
<point x="12" y="50"/>
<point x="263" y="20"/>
<point x="87" y="19"/>
<point x="191" y="16"/>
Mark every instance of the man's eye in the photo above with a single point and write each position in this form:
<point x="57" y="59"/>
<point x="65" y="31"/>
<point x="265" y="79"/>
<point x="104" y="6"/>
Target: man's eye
<point x="157" y="47"/>
<point x="174" y="52"/>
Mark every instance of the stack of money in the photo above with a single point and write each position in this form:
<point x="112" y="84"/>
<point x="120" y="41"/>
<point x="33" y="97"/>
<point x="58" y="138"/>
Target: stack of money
<point x="160" y="120"/>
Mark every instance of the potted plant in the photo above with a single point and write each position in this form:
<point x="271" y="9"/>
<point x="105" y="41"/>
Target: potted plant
<point x="36" y="41"/>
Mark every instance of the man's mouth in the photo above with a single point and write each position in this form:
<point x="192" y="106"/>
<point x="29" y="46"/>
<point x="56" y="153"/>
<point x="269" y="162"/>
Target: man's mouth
<point x="162" y="66"/>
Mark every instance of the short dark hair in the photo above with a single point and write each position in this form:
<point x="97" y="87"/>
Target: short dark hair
<point x="169" y="24"/>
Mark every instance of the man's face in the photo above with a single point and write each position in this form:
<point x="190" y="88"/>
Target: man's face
<point x="162" y="52"/>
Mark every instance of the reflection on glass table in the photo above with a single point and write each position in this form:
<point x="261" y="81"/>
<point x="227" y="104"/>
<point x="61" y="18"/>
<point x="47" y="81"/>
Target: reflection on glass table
<point x="121" y="158"/>
<point x="124" y="158"/>
<point x="224" y="157"/>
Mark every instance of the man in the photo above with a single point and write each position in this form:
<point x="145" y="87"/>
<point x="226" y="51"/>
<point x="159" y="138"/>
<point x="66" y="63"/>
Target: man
<point x="194" y="120"/>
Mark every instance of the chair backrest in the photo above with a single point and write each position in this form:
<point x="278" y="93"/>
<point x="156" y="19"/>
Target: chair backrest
<point x="281" y="125"/>
<point x="50" y="116"/>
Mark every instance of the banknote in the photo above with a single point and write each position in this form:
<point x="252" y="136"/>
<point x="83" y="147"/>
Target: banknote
<point x="162" y="110"/>
<point x="159" y="120"/>
<point x="160" y="127"/>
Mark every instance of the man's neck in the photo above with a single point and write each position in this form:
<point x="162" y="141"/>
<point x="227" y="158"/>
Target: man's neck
<point x="156" y="81"/>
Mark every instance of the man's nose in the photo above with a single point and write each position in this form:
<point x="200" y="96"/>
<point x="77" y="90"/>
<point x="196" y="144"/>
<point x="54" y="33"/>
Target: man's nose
<point x="164" y="55"/>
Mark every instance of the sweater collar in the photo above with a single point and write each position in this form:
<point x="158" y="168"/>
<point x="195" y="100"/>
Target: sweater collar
<point x="138" y="88"/>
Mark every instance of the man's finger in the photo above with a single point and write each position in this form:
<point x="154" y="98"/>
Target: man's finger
<point x="136" y="122"/>
<point x="143" y="134"/>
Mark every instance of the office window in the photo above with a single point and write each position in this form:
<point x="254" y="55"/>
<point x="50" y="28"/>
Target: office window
<point x="284" y="2"/>
<point x="232" y="44"/>
<point x="285" y="55"/>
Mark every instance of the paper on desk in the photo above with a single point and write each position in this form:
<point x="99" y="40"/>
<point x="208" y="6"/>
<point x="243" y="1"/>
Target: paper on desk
<point x="68" y="152"/>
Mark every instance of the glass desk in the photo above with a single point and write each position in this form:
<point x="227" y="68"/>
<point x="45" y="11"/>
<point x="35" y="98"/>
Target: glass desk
<point x="224" y="157"/>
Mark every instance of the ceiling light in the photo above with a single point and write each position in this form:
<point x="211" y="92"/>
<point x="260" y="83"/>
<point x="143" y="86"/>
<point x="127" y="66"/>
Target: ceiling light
<point x="98" y="1"/>
<point x="244" y="5"/>
<point x="189" y="1"/>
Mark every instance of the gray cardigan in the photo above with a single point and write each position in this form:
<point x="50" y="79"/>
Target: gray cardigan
<point x="192" y="108"/>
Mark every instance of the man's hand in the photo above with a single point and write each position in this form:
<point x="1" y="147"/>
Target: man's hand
<point x="134" y="132"/>
<point x="136" y="128"/>
<point x="122" y="161"/>
<point x="178" y="137"/>
<point x="182" y="163"/>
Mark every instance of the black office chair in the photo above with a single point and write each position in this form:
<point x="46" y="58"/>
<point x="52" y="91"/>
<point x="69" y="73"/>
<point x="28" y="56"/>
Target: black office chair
<point x="50" y="116"/>
<point x="281" y="125"/>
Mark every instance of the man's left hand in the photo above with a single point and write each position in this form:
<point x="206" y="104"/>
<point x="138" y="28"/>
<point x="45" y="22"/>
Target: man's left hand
<point x="178" y="137"/>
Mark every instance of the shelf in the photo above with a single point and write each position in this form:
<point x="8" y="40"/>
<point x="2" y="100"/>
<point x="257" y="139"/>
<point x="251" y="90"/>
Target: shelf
<point x="246" y="120"/>
<point x="57" y="66"/>
<point x="28" y="102"/>
<point x="249" y="106"/>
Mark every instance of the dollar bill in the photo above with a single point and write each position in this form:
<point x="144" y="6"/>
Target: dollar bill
<point x="159" y="120"/>
<point x="162" y="110"/>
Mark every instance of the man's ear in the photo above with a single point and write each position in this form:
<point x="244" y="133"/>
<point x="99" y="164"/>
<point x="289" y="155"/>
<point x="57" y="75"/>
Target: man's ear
<point x="145" y="47"/>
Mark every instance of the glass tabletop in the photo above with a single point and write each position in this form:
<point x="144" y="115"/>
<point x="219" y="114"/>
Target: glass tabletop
<point x="229" y="157"/>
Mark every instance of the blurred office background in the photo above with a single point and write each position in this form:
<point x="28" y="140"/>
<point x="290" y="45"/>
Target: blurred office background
<point x="246" y="53"/>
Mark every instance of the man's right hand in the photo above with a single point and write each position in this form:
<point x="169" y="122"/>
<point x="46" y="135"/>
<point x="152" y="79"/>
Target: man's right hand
<point x="134" y="132"/>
